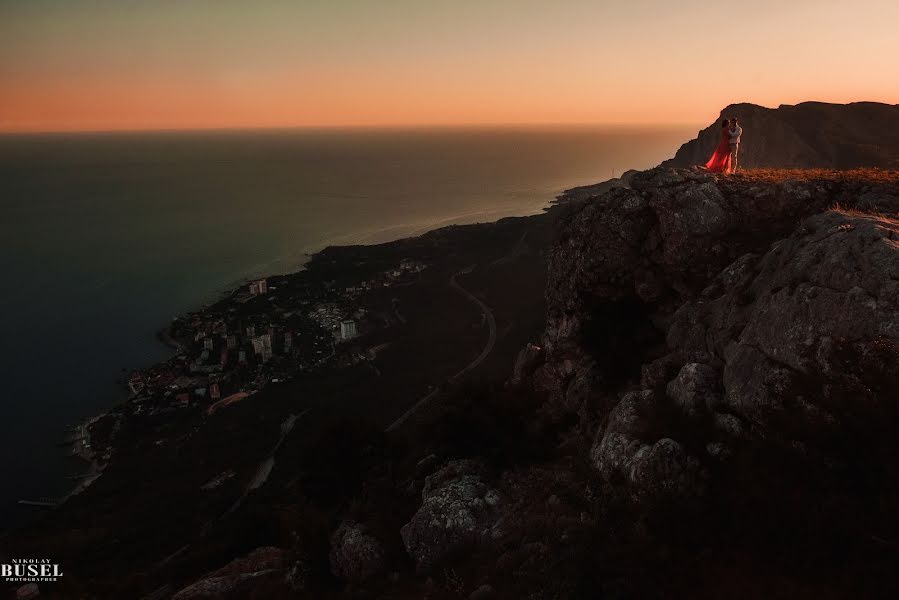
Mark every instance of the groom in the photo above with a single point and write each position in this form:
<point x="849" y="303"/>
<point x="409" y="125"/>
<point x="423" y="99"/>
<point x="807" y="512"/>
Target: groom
<point x="735" y="132"/>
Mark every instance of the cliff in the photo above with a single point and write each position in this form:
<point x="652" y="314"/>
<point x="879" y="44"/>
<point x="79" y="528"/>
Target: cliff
<point x="806" y="135"/>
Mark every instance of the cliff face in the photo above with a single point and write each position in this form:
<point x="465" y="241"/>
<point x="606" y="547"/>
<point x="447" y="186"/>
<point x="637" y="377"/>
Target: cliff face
<point x="807" y="135"/>
<point x="731" y="346"/>
<point x="626" y="261"/>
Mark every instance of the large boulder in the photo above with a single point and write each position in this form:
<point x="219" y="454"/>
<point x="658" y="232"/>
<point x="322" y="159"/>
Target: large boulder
<point x="628" y="452"/>
<point x="459" y="510"/>
<point x="356" y="554"/>
<point x="695" y="389"/>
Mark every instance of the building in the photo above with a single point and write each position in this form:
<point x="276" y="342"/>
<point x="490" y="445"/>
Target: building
<point x="347" y="329"/>
<point x="262" y="345"/>
<point x="208" y="343"/>
<point x="231" y="342"/>
<point x="136" y="383"/>
<point x="288" y="341"/>
<point x="259" y="287"/>
<point x="214" y="391"/>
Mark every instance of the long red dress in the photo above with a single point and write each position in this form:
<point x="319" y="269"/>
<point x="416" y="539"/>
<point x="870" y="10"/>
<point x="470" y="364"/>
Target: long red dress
<point x="720" y="161"/>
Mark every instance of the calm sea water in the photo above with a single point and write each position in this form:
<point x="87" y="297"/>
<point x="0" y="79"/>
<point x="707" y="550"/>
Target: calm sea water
<point x="105" y="237"/>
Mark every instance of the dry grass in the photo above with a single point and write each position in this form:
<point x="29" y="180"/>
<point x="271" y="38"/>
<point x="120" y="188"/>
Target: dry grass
<point x="866" y="175"/>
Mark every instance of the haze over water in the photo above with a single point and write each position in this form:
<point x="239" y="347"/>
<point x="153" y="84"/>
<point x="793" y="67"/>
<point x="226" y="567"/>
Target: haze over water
<point x="106" y="237"/>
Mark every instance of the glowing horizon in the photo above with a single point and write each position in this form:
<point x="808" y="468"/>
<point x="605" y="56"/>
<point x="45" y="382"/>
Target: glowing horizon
<point x="100" y="65"/>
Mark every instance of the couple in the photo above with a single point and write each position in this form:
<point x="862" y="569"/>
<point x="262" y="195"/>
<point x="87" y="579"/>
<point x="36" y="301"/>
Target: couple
<point x="724" y="160"/>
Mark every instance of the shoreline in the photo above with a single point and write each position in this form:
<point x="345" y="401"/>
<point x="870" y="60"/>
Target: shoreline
<point x="164" y="334"/>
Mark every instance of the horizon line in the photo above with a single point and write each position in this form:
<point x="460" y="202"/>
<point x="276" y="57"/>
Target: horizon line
<point x="356" y="127"/>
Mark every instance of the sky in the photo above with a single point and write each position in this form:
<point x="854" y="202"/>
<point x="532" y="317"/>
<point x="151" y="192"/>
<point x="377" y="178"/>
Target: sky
<point x="68" y="65"/>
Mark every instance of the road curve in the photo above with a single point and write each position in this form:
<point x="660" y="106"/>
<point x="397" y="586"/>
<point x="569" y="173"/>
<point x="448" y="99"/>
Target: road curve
<point x="488" y="347"/>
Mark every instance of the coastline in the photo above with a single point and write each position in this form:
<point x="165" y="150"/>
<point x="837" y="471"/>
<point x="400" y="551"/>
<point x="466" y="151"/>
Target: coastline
<point x="89" y="453"/>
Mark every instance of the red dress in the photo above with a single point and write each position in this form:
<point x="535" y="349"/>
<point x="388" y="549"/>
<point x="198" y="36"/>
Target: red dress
<point x="720" y="161"/>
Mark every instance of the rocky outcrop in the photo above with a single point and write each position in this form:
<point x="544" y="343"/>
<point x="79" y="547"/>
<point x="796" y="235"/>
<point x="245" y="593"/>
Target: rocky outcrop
<point x="808" y="336"/>
<point x="356" y="554"/>
<point x="653" y="470"/>
<point x="626" y="261"/>
<point x="459" y="510"/>
<point x="774" y="333"/>
<point x="807" y="135"/>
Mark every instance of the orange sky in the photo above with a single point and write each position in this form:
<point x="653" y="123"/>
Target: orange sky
<point x="115" y="64"/>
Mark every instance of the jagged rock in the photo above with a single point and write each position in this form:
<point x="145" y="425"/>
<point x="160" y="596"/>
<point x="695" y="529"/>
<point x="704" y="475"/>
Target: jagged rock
<point x="829" y="290"/>
<point x="695" y="389"/>
<point x="237" y="576"/>
<point x="650" y="470"/>
<point x="459" y="509"/>
<point x="356" y="555"/>
<point x="632" y="263"/>
<point x="665" y="471"/>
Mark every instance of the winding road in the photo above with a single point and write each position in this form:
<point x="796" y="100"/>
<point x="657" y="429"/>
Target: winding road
<point x="488" y="347"/>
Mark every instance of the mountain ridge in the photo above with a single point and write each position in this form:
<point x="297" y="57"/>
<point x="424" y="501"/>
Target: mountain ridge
<point x="806" y="135"/>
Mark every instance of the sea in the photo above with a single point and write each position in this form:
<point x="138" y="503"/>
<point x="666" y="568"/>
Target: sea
<point x="105" y="237"/>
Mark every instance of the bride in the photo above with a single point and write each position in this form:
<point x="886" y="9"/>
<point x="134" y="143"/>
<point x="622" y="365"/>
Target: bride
<point x="720" y="161"/>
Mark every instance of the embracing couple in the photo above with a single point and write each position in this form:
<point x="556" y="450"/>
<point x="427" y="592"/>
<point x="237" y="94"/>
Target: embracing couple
<point x="724" y="160"/>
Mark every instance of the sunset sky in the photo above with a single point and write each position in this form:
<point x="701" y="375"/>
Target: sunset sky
<point x="171" y="64"/>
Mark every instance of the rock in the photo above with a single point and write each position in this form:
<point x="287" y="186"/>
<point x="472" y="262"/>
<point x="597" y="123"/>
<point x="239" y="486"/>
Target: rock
<point x="656" y="375"/>
<point x="695" y="389"/>
<point x="792" y="337"/>
<point x="624" y="453"/>
<point x="458" y="511"/>
<point x="627" y="260"/>
<point x="729" y="425"/>
<point x="482" y="593"/>
<point x="356" y="555"/>
<point x="237" y="577"/>
<point x="665" y="471"/>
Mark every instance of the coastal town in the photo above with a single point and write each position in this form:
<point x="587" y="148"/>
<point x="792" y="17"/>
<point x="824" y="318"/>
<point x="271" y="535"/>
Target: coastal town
<point x="267" y="331"/>
<point x="264" y="332"/>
